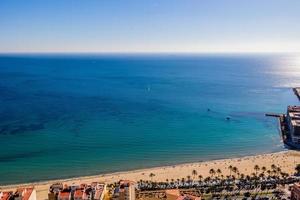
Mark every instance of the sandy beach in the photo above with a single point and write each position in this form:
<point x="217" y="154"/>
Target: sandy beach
<point x="286" y="160"/>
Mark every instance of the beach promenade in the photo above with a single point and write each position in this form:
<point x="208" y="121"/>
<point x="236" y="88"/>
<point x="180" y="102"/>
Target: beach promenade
<point x="286" y="160"/>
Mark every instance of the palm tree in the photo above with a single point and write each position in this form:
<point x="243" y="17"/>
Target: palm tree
<point x="279" y="169"/>
<point x="183" y="180"/>
<point x="264" y="169"/>
<point x="242" y="176"/>
<point x="151" y="175"/>
<point x="297" y="168"/>
<point x="261" y="175"/>
<point x="273" y="167"/>
<point x="207" y="179"/>
<point x="238" y="175"/>
<point x="194" y="173"/>
<point x="256" y="168"/>
<point x="212" y="172"/>
<point x="235" y="170"/>
<point x="189" y="178"/>
<point x="248" y="178"/>
<point x="200" y="177"/>
<point x="230" y="169"/>
<point x="219" y="172"/>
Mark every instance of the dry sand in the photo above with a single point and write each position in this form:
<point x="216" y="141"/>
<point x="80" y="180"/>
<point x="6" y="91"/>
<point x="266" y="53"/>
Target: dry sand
<point x="286" y="160"/>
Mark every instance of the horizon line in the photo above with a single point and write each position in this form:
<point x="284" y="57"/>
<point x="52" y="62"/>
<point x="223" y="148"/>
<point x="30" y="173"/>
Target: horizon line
<point x="150" y="52"/>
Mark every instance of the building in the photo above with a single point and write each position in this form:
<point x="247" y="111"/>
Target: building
<point x="293" y="121"/>
<point x="64" y="195"/>
<point x="100" y="190"/>
<point x="78" y="194"/>
<point x="175" y="194"/>
<point x="6" y="195"/>
<point x="93" y="191"/>
<point x="125" y="190"/>
<point x="25" y="194"/>
<point x="295" y="192"/>
<point x="54" y="190"/>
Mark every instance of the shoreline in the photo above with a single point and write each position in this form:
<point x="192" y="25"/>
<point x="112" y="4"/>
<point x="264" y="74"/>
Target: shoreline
<point x="286" y="159"/>
<point x="3" y="186"/>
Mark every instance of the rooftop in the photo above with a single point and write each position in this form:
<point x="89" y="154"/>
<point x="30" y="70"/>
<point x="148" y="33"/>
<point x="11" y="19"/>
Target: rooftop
<point x="78" y="193"/>
<point x="64" y="194"/>
<point x="82" y="191"/>
<point x="24" y="192"/>
<point x="5" y="195"/>
<point x="293" y="108"/>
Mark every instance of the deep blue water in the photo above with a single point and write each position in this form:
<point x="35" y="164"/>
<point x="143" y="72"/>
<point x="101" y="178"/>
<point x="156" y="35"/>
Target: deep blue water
<point x="69" y="115"/>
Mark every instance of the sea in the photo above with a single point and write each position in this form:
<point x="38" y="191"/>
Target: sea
<point x="68" y="115"/>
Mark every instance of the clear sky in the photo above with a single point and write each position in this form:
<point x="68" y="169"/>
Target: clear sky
<point x="149" y="25"/>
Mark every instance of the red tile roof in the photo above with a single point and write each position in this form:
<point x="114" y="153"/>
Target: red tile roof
<point x="78" y="193"/>
<point x="64" y="195"/>
<point x="25" y="193"/>
<point x="5" y="195"/>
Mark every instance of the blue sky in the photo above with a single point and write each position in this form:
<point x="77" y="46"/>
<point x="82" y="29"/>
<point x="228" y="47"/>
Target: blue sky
<point x="149" y="26"/>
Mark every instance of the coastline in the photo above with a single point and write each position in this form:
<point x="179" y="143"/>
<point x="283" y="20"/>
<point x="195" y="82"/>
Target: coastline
<point x="286" y="160"/>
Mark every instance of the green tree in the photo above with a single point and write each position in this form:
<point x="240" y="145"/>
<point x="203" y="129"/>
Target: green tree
<point x="273" y="167"/>
<point x="297" y="168"/>
<point x="194" y="173"/>
<point x="235" y="170"/>
<point x="212" y="172"/>
<point x="188" y="178"/>
<point x="183" y="180"/>
<point x="200" y="177"/>
<point x="151" y="175"/>
<point x="230" y="169"/>
<point x="219" y="172"/>
<point x="256" y="168"/>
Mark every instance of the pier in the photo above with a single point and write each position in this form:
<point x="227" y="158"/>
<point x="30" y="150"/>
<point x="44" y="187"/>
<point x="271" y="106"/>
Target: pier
<point x="297" y="92"/>
<point x="284" y="130"/>
<point x="274" y="114"/>
<point x="289" y="125"/>
<point x="282" y="125"/>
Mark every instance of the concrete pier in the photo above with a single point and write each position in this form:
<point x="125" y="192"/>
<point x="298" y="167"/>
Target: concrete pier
<point x="274" y="114"/>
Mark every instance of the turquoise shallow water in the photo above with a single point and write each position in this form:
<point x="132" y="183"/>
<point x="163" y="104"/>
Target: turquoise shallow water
<point x="69" y="115"/>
